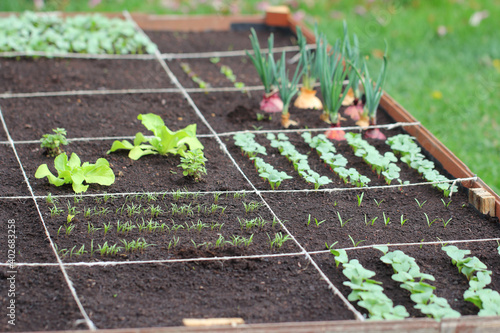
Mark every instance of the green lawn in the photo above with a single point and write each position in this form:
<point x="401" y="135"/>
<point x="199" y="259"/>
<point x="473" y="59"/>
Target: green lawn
<point x="449" y="82"/>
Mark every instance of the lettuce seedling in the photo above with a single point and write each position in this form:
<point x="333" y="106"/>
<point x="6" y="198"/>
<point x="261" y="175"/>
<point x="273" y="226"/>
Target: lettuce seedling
<point x="163" y="142"/>
<point x="73" y="172"/>
<point x="53" y="142"/>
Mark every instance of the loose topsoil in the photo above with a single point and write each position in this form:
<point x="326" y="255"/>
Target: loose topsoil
<point x="233" y="223"/>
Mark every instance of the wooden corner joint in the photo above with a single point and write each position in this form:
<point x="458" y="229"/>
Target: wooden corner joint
<point x="277" y="16"/>
<point x="482" y="200"/>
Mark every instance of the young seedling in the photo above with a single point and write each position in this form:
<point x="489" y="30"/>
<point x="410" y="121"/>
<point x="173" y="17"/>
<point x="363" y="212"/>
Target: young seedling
<point x="53" y="142"/>
<point x="55" y="211"/>
<point x="360" y="198"/>
<point x="386" y="219"/>
<point x="73" y="172"/>
<point x="420" y="205"/>
<point x="163" y="142"/>
<point x="193" y="76"/>
<point x="91" y="229"/>
<point x="106" y="227"/>
<point x="278" y="240"/>
<point x="445" y="223"/>
<point x="378" y="202"/>
<point x="355" y="244"/>
<point x="446" y="204"/>
<point x="429" y="222"/>
<point x="252" y="206"/>
<point x="403" y="220"/>
<point x="342" y="223"/>
<point x="193" y="164"/>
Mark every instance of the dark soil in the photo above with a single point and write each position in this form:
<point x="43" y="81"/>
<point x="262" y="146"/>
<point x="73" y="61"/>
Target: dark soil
<point x="34" y="75"/>
<point x="260" y="290"/>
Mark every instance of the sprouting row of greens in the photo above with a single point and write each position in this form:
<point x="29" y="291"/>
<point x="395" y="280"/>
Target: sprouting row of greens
<point x="422" y="293"/>
<point x="487" y="300"/>
<point x="383" y="164"/>
<point x="331" y="66"/>
<point x="327" y="152"/>
<point x="405" y="146"/>
<point x="164" y="142"/>
<point x="229" y="74"/>
<point x="196" y="79"/>
<point x="298" y="160"/>
<point x="94" y="34"/>
<point x="246" y="141"/>
<point x="367" y="292"/>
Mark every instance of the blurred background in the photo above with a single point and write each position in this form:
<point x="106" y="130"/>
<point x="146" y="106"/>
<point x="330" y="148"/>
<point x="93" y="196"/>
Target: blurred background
<point x="444" y="56"/>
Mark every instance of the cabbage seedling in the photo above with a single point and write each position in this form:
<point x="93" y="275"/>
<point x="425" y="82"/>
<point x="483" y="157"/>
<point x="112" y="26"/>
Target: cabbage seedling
<point x="73" y="172"/>
<point x="266" y="69"/>
<point x="53" y="142"/>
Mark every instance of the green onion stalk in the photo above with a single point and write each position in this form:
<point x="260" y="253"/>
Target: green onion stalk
<point x="332" y="76"/>
<point x="353" y="98"/>
<point x="287" y="88"/>
<point x="307" y="98"/>
<point x="373" y="94"/>
<point x="266" y="68"/>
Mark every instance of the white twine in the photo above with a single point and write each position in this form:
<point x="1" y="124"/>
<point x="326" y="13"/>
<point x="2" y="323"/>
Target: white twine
<point x="246" y="257"/>
<point x="89" y="322"/>
<point x="166" y="56"/>
<point x="357" y="314"/>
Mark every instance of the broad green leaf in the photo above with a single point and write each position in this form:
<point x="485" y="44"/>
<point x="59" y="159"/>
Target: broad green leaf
<point x="120" y="145"/>
<point x="139" y="138"/>
<point x="61" y="163"/>
<point x="79" y="187"/>
<point x="74" y="161"/>
<point x="43" y="171"/>
<point x="137" y="152"/>
<point x="152" y="122"/>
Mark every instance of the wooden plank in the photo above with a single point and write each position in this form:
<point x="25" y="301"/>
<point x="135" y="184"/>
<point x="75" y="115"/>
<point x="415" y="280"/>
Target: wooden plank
<point x="196" y="322"/>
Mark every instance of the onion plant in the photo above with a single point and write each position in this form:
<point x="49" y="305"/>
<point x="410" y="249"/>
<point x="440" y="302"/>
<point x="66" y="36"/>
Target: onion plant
<point x="373" y="94"/>
<point x="287" y="88"/>
<point x="353" y="97"/>
<point x="266" y="69"/>
<point x="332" y="76"/>
<point x="307" y="98"/>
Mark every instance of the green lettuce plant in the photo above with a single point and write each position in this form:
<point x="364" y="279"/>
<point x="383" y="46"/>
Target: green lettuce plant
<point x="163" y="142"/>
<point x="73" y="172"/>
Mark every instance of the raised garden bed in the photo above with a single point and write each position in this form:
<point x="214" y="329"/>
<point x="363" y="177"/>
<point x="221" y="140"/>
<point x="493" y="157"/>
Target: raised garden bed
<point x="212" y="248"/>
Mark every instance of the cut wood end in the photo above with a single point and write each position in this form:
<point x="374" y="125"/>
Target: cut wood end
<point x="278" y="9"/>
<point x="212" y="321"/>
<point x="482" y="200"/>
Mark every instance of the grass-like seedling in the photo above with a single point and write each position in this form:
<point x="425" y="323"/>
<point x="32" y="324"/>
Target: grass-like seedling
<point x="429" y="222"/>
<point x="278" y="241"/>
<point x="53" y="142"/>
<point x="174" y="242"/>
<point x="252" y="206"/>
<point x="420" y="204"/>
<point x="55" y="211"/>
<point x="91" y="229"/>
<point x="219" y="243"/>
<point x="445" y="223"/>
<point x="446" y="204"/>
<point x="49" y="199"/>
<point x="403" y="220"/>
<point x="378" y="203"/>
<point x="360" y="198"/>
<point x="386" y="219"/>
<point x="133" y="209"/>
<point x="342" y="223"/>
<point x="108" y="250"/>
<point x="193" y="76"/>
<point x="237" y="241"/>
<point x="216" y="197"/>
<point x="136" y="245"/>
<point x="354" y="243"/>
<point x="239" y="195"/>
<point x="124" y="228"/>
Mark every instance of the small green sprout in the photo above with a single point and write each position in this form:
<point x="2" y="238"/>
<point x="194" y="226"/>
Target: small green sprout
<point x="360" y="198"/>
<point x="420" y="205"/>
<point x="429" y="222"/>
<point x="53" y="142"/>
<point x="342" y="223"/>
<point x="445" y="223"/>
<point x="386" y="219"/>
<point x="252" y="206"/>
<point x="278" y="240"/>
<point x="355" y="244"/>
<point x="378" y="203"/>
<point x="446" y="204"/>
<point x="403" y="220"/>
